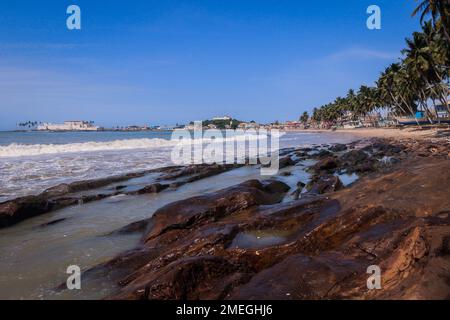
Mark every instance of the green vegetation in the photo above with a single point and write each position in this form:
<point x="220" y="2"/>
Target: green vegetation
<point x="422" y="75"/>
<point x="304" y="118"/>
<point x="28" y="124"/>
<point x="222" y="124"/>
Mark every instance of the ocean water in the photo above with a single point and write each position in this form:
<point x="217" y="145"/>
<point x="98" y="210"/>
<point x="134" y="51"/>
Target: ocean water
<point x="33" y="161"/>
<point x="35" y="255"/>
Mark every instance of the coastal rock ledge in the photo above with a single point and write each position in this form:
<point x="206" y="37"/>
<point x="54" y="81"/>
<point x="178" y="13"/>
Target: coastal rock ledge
<point x="244" y="242"/>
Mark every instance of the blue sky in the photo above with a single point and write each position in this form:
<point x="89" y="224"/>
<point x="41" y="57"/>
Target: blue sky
<point x="167" y="61"/>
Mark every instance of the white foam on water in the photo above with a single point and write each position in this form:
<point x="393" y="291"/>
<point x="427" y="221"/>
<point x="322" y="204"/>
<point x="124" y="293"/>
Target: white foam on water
<point x="26" y="150"/>
<point x="21" y="150"/>
<point x="30" y="169"/>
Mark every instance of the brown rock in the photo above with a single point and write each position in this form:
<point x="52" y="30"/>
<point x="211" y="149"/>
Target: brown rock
<point x="324" y="184"/>
<point x="327" y="164"/>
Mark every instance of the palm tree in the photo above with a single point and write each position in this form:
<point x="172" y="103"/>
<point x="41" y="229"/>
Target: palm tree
<point x="304" y="118"/>
<point x="422" y="60"/>
<point x="439" y="11"/>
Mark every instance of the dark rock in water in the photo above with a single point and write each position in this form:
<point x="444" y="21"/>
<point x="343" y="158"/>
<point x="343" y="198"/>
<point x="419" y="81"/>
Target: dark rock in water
<point x="275" y="186"/>
<point x="192" y="278"/>
<point x="134" y="227"/>
<point x="286" y="174"/>
<point x="368" y="166"/>
<point x="353" y="157"/>
<point x="323" y="153"/>
<point x="358" y="161"/>
<point x="177" y="184"/>
<point x="394" y="160"/>
<point x="119" y="266"/>
<point x="286" y="151"/>
<point x="327" y="164"/>
<point x="196" y="172"/>
<point x="185" y="213"/>
<point x="58" y="190"/>
<point x="328" y="240"/>
<point x="153" y="188"/>
<point x="50" y="223"/>
<point x="60" y="196"/>
<point x="283" y="162"/>
<point x="286" y="162"/>
<point x="324" y="184"/>
<point x="14" y="211"/>
<point x="302" y="154"/>
<point x="296" y="194"/>
<point x="301" y="184"/>
<point x="119" y="188"/>
<point x="381" y="149"/>
<point x="338" y="147"/>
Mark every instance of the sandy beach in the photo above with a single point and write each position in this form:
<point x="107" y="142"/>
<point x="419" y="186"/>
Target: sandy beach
<point x="411" y="132"/>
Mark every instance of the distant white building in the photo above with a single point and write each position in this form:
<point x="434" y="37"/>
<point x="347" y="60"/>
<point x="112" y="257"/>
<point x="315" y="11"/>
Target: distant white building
<point x="226" y="118"/>
<point x="68" y="126"/>
<point x="248" y="125"/>
<point x="442" y="110"/>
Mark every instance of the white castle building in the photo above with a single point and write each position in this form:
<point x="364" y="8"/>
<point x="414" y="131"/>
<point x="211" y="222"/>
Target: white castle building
<point x="68" y="126"/>
<point x="225" y="118"/>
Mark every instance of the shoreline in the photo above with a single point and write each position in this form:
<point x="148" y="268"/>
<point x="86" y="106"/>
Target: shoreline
<point x="411" y="132"/>
<point x="332" y="233"/>
<point x="248" y="234"/>
<point x="388" y="132"/>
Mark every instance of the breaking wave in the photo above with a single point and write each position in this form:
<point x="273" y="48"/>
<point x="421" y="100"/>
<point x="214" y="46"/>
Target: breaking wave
<point x="20" y="150"/>
<point x="24" y="150"/>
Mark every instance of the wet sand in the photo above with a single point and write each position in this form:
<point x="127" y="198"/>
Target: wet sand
<point x="407" y="132"/>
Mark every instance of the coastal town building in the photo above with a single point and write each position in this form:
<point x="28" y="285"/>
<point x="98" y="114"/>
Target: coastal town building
<point x="248" y="125"/>
<point x="225" y="118"/>
<point x="294" y="125"/>
<point x="442" y="110"/>
<point x="76" y="125"/>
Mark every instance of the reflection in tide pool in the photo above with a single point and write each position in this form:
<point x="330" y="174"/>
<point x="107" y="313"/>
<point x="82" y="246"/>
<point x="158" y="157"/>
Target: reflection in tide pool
<point x="259" y="239"/>
<point x="348" y="179"/>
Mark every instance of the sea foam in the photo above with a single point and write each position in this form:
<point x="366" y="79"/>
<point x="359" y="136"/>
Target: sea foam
<point x="25" y="150"/>
<point x="20" y="150"/>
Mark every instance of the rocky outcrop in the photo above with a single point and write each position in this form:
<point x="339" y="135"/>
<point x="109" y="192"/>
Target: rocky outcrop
<point x="316" y="247"/>
<point x="209" y="208"/>
<point x="14" y="211"/>
<point x="81" y="192"/>
<point x="338" y="147"/>
<point x="320" y="184"/>
<point x="328" y="164"/>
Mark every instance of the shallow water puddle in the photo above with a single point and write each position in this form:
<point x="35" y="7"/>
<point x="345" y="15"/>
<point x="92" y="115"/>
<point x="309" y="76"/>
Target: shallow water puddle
<point x="259" y="239"/>
<point x="347" y="179"/>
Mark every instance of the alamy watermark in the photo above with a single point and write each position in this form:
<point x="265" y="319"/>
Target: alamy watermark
<point x="374" y="20"/>
<point x="73" y="282"/>
<point x="73" y="22"/>
<point x="374" y="281"/>
<point x="251" y="146"/>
